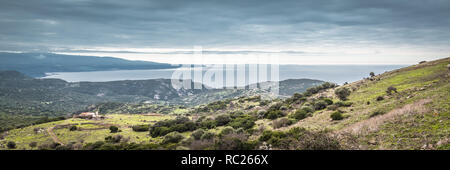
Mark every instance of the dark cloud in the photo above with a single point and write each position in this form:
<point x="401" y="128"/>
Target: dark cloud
<point x="46" y="24"/>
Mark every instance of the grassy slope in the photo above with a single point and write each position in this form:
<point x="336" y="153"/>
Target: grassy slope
<point x="408" y="122"/>
<point x="24" y="136"/>
<point x="408" y="130"/>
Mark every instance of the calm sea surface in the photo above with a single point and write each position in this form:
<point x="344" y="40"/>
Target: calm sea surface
<point x="332" y="73"/>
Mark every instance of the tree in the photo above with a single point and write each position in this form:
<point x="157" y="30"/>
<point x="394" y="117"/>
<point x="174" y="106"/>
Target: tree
<point x="11" y="145"/>
<point x="342" y="93"/>
<point x="113" y="129"/>
<point x="372" y="74"/>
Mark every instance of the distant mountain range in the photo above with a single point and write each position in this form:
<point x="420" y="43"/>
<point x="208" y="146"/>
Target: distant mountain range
<point x="37" y="64"/>
<point x="21" y="94"/>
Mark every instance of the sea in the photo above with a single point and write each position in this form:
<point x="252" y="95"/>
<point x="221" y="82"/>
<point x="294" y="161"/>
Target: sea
<point x="331" y="73"/>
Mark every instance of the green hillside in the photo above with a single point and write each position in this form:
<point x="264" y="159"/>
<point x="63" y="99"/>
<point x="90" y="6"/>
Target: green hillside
<point x="406" y="108"/>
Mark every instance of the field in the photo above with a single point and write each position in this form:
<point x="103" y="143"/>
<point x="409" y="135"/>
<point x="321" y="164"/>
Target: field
<point x="100" y="130"/>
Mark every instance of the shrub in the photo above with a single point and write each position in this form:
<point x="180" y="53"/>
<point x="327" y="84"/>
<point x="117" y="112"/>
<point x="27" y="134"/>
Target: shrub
<point x="53" y="145"/>
<point x="226" y="131"/>
<point x="342" y="93"/>
<point x="372" y="74"/>
<point x="73" y="128"/>
<point x="391" y="89"/>
<point x="33" y="144"/>
<point x="380" y="98"/>
<point x="223" y="120"/>
<point x="180" y="124"/>
<point x="261" y="113"/>
<point x="11" y="145"/>
<point x="332" y="107"/>
<point x="140" y="128"/>
<point x="307" y="109"/>
<point x="243" y="121"/>
<point x="337" y="116"/>
<point x="93" y="146"/>
<point x="328" y="101"/>
<point x="114" y="139"/>
<point x="197" y="134"/>
<point x="207" y="136"/>
<point x="208" y="124"/>
<point x="283" y="122"/>
<point x="320" y="105"/>
<point x="159" y="131"/>
<point x="234" y="141"/>
<point x="274" y="114"/>
<point x="299" y="114"/>
<point x="343" y="104"/>
<point x="113" y="129"/>
<point x="172" y="137"/>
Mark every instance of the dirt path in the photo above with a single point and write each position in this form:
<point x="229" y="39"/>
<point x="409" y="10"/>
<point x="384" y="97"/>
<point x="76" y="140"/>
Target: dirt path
<point x="53" y="136"/>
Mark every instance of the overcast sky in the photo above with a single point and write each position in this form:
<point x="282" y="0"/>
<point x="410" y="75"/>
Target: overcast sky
<point x="296" y="32"/>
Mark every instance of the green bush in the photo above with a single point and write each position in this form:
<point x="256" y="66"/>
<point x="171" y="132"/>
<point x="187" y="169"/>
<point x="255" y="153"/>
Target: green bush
<point x="301" y="139"/>
<point x="172" y="137"/>
<point x="207" y="136"/>
<point x="223" y="120"/>
<point x="377" y="112"/>
<point x="140" y="128"/>
<point x="391" y="89"/>
<point x="114" y="139"/>
<point x="342" y="93"/>
<point x="380" y="98"/>
<point x="244" y="121"/>
<point x="33" y="144"/>
<point x="343" y="104"/>
<point x="332" y="107"/>
<point x="328" y="101"/>
<point x="180" y="124"/>
<point x="208" y="124"/>
<point x="114" y="129"/>
<point x="197" y="134"/>
<point x="336" y="116"/>
<point x="73" y="128"/>
<point x="320" y="105"/>
<point x="11" y="145"/>
<point x="283" y="122"/>
<point x="299" y="114"/>
<point x="274" y="114"/>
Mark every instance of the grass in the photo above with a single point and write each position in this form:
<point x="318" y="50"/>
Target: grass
<point x="24" y="136"/>
<point x="396" y="127"/>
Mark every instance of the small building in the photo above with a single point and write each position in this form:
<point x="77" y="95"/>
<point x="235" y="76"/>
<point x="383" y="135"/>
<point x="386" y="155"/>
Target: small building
<point x="87" y="115"/>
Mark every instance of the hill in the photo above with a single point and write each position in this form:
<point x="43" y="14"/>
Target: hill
<point x="406" y="108"/>
<point x="37" y="64"/>
<point x="26" y="96"/>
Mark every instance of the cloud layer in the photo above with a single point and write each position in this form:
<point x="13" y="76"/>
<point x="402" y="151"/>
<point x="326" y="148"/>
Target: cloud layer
<point x="296" y="28"/>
